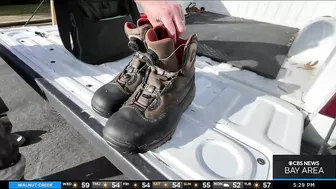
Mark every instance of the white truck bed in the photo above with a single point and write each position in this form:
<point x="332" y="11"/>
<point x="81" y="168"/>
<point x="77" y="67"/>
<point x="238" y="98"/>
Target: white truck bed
<point x="235" y="125"/>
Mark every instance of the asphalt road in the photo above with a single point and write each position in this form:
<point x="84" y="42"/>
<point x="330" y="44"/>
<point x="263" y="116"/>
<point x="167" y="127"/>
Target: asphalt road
<point x="54" y="149"/>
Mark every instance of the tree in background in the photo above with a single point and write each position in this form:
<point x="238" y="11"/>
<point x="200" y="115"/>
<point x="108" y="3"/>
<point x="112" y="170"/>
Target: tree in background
<point x="18" y="2"/>
<point x="5" y="2"/>
<point x="22" y="2"/>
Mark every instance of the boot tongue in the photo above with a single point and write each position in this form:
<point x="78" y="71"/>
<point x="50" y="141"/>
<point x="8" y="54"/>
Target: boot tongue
<point x="158" y="41"/>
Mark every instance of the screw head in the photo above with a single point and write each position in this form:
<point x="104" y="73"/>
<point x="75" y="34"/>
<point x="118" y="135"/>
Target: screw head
<point x="261" y="161"/>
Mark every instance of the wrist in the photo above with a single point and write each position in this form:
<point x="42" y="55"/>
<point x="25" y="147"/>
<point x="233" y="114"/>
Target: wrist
<point x="145" y="3"/>
<point x="140" y="2"/>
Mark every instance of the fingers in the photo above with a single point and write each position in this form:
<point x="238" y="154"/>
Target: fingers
<point x="180" y="26"/>
<point x="169" y="14"/>
<point x="179" y="20"/>
<point x="154" y="22"/>
<point x="174" y="21"/>
<point x="170" y="25"/>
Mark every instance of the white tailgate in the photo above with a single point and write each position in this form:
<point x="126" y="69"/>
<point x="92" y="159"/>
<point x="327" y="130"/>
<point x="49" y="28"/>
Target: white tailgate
<point x="230" y="131"/>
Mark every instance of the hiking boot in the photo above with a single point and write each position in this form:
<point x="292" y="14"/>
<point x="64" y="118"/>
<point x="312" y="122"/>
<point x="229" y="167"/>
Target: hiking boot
<point x="14" y="169"/>
<point x="150" y="116"/>
<point x="18" y="139"/>
<point x="111" y="96"/>
<point x="12" y="163"/>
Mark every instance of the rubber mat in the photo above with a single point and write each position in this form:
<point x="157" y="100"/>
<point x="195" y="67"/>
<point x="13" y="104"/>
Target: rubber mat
<point x="247" y="44"/>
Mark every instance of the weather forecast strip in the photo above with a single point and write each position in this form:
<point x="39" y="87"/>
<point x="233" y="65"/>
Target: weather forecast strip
<point x="167" y="184"/>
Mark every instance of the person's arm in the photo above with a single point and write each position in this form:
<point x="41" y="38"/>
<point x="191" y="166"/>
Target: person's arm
<point x="168" y="13"/>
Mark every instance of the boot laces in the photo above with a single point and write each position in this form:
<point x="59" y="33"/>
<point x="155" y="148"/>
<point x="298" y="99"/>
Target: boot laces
<point x="149" y="94"/>
<point x="130" y="71"/>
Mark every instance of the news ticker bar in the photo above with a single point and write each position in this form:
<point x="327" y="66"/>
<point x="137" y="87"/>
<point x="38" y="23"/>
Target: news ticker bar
<point x="170" y="184"/>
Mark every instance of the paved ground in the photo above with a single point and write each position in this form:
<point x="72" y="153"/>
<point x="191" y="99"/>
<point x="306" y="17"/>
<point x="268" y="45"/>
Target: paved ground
<point x="54" y="150"/>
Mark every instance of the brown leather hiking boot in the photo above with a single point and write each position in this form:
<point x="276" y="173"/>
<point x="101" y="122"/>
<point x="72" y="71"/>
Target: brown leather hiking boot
<point x="111" y="96"/>
<point x="150" y="116"/>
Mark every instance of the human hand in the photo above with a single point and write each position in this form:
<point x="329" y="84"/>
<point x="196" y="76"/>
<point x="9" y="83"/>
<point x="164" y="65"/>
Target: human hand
<point x="168" y="13"/>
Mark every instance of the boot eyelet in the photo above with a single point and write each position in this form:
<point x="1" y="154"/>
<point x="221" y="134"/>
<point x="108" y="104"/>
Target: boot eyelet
<point x="137" y="95"/>
<point x="132" y="80"/>
<point x="168" y="87"/>
<point x="154" y="104"/>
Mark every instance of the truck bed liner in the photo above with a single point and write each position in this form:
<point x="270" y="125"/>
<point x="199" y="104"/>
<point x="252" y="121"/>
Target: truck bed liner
<point x="230" y="131"/>
<point x="252" y="45"/>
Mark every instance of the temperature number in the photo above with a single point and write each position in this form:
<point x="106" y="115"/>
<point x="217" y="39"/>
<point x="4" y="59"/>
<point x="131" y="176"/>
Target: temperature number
<point x="116" y="185"/>
<point x="85" y="185"/>
<point x="266" y="184"/>
<point x="206" y="185"/>
<point x="176" y="185"/>
<point x="236" y="185"/>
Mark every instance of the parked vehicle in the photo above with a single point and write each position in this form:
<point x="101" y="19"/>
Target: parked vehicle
<point x="240" y="117"/>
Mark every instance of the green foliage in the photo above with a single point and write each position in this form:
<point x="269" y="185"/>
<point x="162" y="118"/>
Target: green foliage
<point x="23" y="9"/>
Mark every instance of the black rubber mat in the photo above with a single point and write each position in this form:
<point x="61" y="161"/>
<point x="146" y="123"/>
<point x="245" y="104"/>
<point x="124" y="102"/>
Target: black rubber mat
<point x="255" y="46"/>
